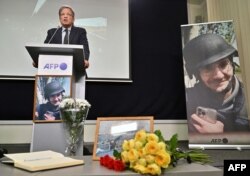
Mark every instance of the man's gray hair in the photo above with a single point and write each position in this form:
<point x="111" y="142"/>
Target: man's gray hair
<point x="66" y="7"/>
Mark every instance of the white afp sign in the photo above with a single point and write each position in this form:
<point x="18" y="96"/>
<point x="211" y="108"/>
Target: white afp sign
<point x="55" y="65"/>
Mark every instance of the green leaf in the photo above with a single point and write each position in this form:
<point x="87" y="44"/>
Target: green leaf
<point x="117" y="154"/>
<point x="158" y="133"/>
<point x="173" y="143"/>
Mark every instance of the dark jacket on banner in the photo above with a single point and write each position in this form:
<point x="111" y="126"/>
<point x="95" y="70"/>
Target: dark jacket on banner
<point x="231" y="112"/>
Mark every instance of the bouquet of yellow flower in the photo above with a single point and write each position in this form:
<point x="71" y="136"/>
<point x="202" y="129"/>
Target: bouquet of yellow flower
<point x="149" y="153"/>
<point x="145" y="153"/>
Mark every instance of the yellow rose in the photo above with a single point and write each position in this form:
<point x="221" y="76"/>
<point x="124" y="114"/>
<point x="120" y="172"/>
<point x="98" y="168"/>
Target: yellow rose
<point x="131" y="143"/>
<point x="151" y="147"/>
<point x="128" y="144"/>
<point x="142" y="161"/>
<point x="133" y="155"/>
<point x="162" y="158"/>
<point x="138" y="145"/>
<point x="140" y="168"/>
<point x="125" y="145"/>
<point x="124" y="156"/>
<point x="150" y="159"/>
<point x="152" y="137"/>
<point x="153" y="169"/>
<point x="162" y="145"/>
<point x="140" y="152"/>
<point x="141" y="136"/>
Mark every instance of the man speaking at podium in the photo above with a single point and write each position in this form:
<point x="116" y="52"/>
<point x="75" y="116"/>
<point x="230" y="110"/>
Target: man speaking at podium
<point x="67" y="33"/>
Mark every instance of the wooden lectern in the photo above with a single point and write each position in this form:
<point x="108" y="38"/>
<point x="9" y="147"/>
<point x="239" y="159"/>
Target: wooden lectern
<point x="56" y="59"/>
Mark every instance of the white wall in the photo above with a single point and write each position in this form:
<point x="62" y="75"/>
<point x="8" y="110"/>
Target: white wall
<point x="22" y="133"/>
<point x="195" y="10"/>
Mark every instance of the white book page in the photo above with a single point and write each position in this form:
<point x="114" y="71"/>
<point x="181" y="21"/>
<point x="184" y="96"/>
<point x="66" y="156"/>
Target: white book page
<point x="34" y="156"/>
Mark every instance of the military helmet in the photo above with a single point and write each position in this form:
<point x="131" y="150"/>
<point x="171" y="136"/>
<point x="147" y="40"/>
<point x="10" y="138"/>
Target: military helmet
<point x="204" y="50"/>
<point x="53" y="88"/>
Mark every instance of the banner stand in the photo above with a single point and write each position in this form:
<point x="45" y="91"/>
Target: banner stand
<point x="217" y="109"/>
<point x="230" y="147"/>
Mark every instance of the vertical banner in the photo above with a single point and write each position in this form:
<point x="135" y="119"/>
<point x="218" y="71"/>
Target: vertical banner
<point x="215" y="96"/>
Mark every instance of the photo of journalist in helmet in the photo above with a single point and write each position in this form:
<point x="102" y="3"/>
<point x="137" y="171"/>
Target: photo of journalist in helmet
<point x="53" y="92"/>
<point x="215" y="102"/>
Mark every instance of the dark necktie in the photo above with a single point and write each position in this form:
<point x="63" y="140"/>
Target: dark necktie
<point x="66" y="37"/>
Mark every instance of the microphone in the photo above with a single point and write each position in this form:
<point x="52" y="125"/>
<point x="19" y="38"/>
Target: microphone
<point x="54" y="34"/>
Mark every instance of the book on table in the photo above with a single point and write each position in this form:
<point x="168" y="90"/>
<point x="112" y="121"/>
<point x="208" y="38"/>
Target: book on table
<point x="42" y="160"/>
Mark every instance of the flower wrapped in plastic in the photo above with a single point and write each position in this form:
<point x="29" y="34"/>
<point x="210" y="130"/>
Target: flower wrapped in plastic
<point x="74" y="113"/>
<point x="149" y="153"/>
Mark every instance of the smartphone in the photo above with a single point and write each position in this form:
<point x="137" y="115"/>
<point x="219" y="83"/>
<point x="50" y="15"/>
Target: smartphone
<point x="208" y="114"/>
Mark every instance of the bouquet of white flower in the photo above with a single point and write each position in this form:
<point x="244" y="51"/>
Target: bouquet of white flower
<point x="74" y="113"/>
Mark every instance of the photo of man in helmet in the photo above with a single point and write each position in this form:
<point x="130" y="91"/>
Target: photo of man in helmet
<point x="215" y="102"/>
<point x="53" y="94"/>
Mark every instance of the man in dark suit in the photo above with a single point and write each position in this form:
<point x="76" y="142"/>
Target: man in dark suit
<point x="76" y="35"/>
<point x="70" y="34"/>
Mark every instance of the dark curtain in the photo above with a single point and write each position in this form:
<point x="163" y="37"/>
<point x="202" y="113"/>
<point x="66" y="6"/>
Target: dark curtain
<point x="17" y="97"/>
<point x="156" y="62"/>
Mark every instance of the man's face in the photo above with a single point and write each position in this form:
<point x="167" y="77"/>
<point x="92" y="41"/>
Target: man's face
<point x="55" y="99"/>
<point x="66" y="18"/>
<point x="218" y="75"/>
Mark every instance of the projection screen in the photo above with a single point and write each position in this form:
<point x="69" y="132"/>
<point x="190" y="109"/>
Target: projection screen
<point x="27" y="21"/>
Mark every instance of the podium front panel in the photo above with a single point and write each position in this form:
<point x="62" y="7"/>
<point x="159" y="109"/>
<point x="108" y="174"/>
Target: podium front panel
<point x="55" y="65"/>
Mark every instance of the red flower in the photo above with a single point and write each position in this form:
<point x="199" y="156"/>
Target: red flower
<point x="102" y="161"/>
<point x="119" y="165"/>
<point x="111" y="163"/>
<point x="105" y="160"/>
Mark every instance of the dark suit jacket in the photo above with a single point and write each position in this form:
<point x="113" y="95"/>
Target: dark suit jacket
<point x="78" y="36"/>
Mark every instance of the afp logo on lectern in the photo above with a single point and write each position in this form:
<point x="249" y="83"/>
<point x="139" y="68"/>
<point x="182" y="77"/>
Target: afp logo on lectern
<point x="236" y="167"/>
<point x="55" y="66"/>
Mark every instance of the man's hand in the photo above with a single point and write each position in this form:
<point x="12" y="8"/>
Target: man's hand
<point x="49" y="117"/>
<point x="34" y="64"/>
<point x="86" y="64"/>
<point x="203" y="126"/>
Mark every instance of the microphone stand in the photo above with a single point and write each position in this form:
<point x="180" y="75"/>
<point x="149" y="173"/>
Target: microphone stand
<point x="53" y="34"/>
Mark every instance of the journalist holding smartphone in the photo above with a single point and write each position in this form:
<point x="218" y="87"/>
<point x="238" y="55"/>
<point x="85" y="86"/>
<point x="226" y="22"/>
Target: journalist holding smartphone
<point x="216" y="103"/>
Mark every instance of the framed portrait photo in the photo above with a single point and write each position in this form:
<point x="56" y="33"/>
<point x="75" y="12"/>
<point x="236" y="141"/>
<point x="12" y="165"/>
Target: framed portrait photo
<point x="112" y="131"/>
<point x="49" y="92"/>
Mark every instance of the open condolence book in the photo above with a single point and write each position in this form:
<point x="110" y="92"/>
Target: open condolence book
<point x="43" y="160"/>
